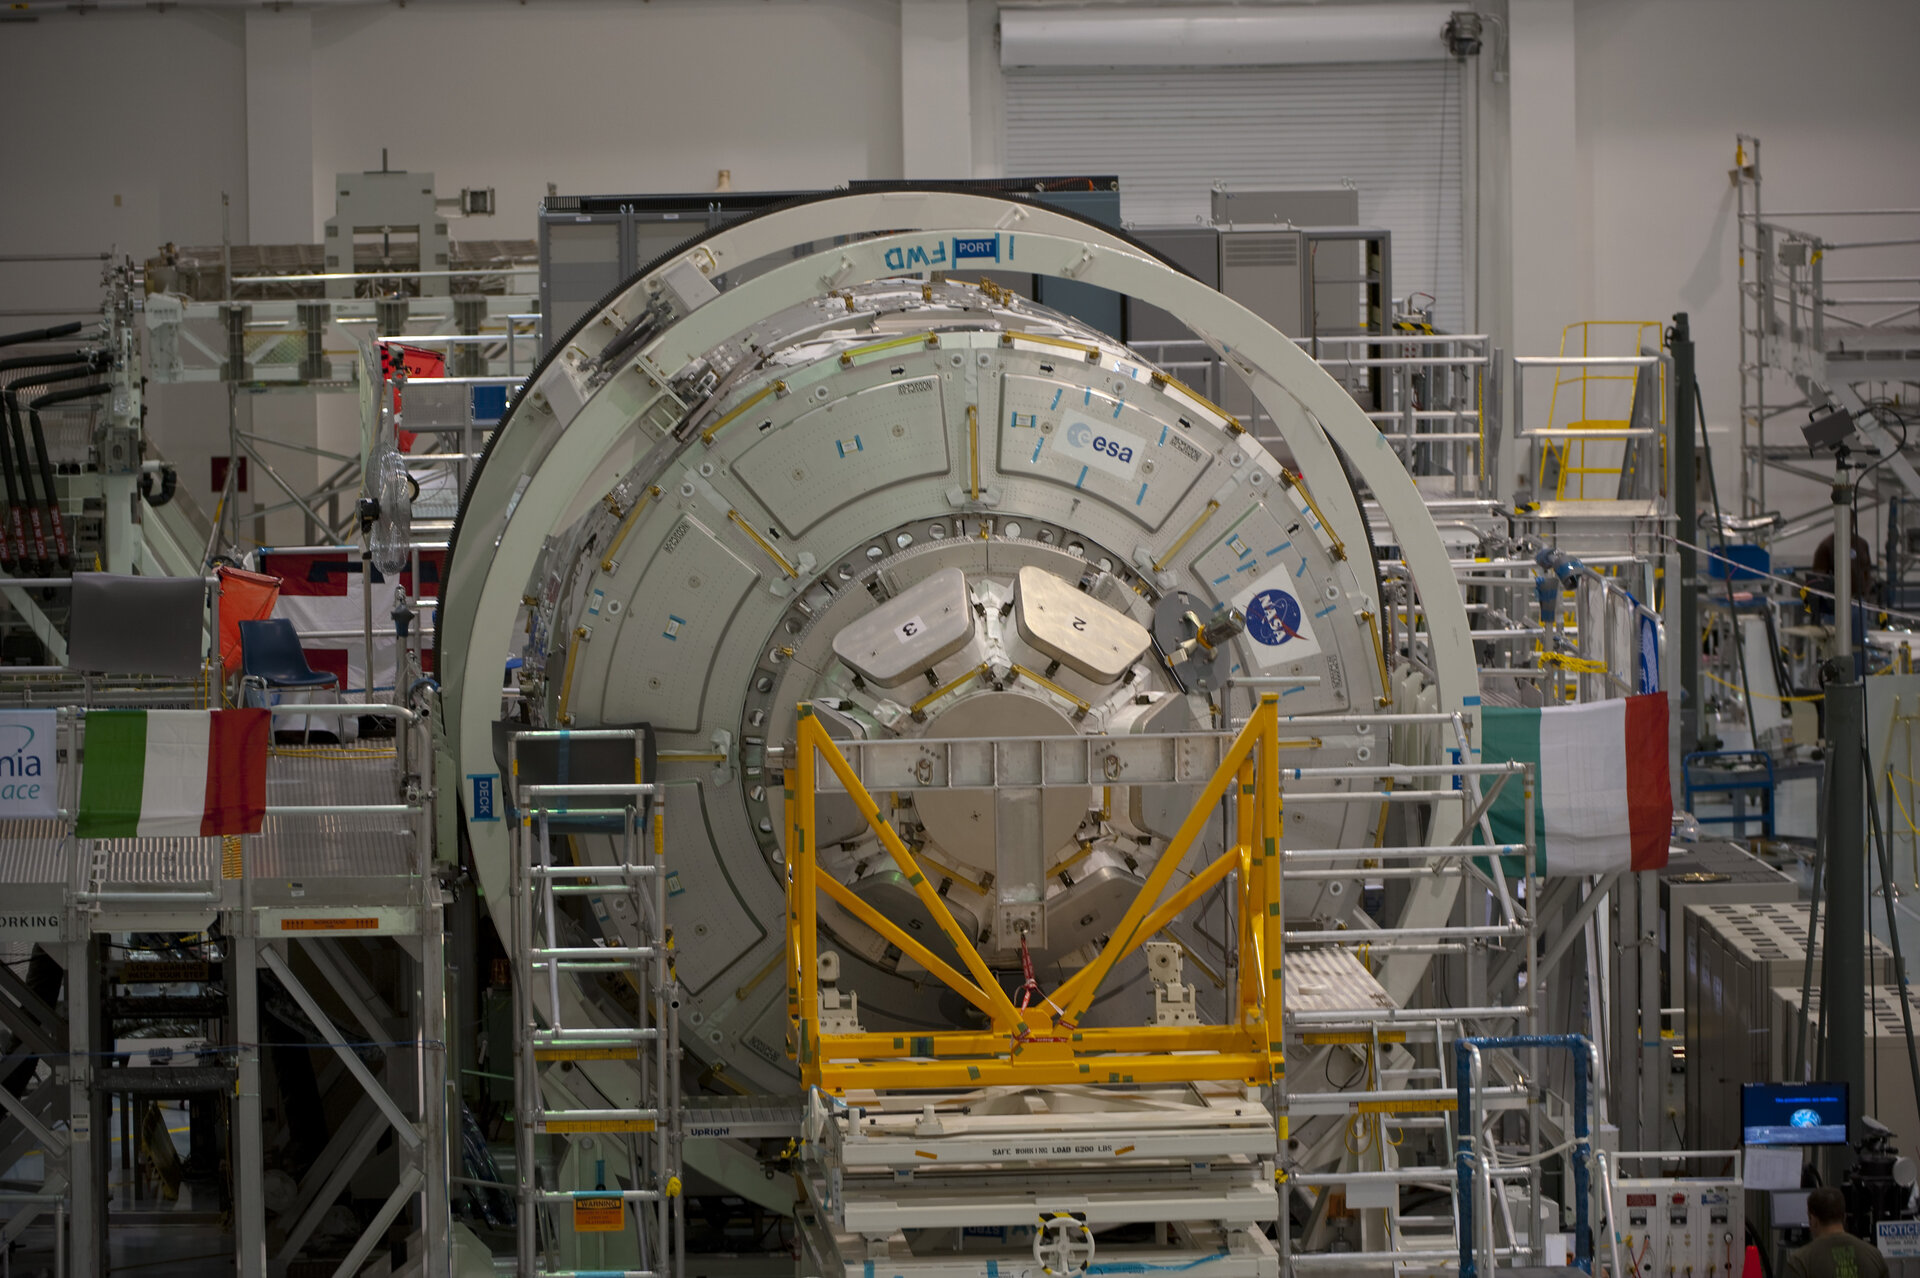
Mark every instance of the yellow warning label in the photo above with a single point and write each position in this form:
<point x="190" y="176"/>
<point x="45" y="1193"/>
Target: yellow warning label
<point x="598" y="1216"/>
<point x="587" y="1126"/>
<point x="329" y="925"/>
<point x="586" y="1053"/>
<point x="1438" y="1105"/>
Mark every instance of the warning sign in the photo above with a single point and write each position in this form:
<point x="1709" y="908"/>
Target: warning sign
<point x="598" y="1216"/>
<point x="1898" y="1239"/>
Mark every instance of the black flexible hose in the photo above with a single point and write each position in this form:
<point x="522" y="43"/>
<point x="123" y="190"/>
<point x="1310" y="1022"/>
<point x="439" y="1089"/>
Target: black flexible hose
<point x="70" y="394"/>
<point x="30" y="510"/>
<point x="47" y="361"/>
<point x="12" y="540"/>
<point x="41" y="334"/>
<point x="27" y="458"/>
<point x="94" y="364"/>
<point x="168" y="482"/>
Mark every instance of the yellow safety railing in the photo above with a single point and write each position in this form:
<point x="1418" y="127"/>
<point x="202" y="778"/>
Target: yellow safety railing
<point x="1593" y="398"/>
<point x="1041" y="1045"/>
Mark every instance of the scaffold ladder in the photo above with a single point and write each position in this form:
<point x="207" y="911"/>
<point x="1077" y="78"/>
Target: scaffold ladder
<point x="556" y="1033"/>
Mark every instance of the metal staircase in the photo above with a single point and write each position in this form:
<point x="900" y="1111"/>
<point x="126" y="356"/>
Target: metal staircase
<point x="597" y="1114"/>
<point x="1818" y="335"/>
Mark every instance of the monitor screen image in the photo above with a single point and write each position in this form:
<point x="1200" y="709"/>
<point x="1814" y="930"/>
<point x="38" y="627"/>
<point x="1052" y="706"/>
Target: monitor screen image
<point x="1794" y="1113"/>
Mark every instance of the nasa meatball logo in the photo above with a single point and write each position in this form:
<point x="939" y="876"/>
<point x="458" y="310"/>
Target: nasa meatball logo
<point x="1112" y="451"/>
<point x="1273" y="617"/>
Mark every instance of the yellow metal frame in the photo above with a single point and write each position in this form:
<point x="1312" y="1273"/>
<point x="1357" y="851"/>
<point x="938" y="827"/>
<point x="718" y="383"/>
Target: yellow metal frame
<point x="1041" y="1045"/>
<point x="1587" y="383"/>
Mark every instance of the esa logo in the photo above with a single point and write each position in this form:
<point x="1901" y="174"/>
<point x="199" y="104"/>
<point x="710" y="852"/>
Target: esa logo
<point x="1081" y="435"/>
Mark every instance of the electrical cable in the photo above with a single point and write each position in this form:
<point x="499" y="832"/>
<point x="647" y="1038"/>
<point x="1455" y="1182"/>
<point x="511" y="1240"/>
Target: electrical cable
<point x="1885" y="858"/>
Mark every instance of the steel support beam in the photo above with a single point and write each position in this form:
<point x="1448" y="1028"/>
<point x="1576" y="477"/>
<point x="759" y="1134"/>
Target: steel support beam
<point x="249" y="1157"/>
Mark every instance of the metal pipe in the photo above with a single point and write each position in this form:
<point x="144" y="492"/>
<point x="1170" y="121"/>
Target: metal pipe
<point x="1586" y="361"/>
<point x="1398" y="1015"/>
<point x="1428" y="850"/>
<point x="1368" y="935"/>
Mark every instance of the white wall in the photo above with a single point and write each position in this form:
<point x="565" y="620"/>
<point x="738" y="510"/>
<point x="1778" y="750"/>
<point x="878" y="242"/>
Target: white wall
<point x="603" y="96"/>
<point x="608" y="95"/>
<point x="1662" y="87"/>
<point x="145" y="122"/>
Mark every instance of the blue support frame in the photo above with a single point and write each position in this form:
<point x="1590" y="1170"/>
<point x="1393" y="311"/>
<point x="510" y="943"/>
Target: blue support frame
<point x="1464" y="1155"/>
<point x="1759" y="780"/>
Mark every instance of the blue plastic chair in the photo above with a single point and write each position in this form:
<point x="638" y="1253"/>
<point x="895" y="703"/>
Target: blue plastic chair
<point x="270" y="657"/>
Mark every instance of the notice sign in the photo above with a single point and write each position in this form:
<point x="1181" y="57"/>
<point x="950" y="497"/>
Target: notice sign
<point x="28" y="784"/>
<point x="598" y="1216"/>
<point x="1898" y="1239"/>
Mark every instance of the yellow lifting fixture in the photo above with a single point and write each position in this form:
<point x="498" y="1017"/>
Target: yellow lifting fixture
<point x="1042" y="1045"/>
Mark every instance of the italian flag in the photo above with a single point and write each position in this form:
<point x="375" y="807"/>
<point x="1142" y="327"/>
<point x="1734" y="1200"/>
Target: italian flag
<point x="1602" y="800"/>
<point x="173" y="773"/>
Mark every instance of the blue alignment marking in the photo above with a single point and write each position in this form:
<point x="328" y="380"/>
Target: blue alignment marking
<point x="1324" y="611"/>
<point x="1223" y="577"/>
<point x="1037" y="447"/>
<point x="1303" y="569"/>
<point x="1470" y="701"/>
<point x="1163" y="436"/>
<point x="1282" y="546"/>
<point x="1057" y="393"/>
<point x="1010" y="248"/>
<point x="1117" y="408"/>
<point x="1236" y="668"/>
<point x="1087" y="399"/>
<point x="1143" y="495"/>
<point x="1288" y="692"/>
<point x="1082" y="479"/>
<point x="1254" y="566"/>
<point x="869" y="1269"/>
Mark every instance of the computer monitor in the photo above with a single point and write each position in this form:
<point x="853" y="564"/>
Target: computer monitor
<point x="1794" y="1113"/>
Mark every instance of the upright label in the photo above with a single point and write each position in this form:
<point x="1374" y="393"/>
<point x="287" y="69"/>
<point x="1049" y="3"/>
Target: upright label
<point x="29" y="786"/>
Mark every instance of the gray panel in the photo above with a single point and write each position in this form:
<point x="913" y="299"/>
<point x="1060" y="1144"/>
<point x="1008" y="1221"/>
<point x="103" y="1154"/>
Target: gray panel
<point x="685" y="599"/>
<point x="917" y="629"/>
<point x="580" y="265"/>
<point x="825" y="459"/>
<point x="1302" y="206"/>
<point x="1097" y="443"/>
<point x="137" y="625"/>
<point x="1074" y="628"/>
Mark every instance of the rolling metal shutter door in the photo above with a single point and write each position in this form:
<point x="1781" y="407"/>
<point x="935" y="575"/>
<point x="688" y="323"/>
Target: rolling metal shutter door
<point x="1392" y="129"/>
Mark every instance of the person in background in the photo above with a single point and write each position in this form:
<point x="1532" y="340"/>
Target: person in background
<point x="1862" y="577"/>
<point x="1833" y="1253"/>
